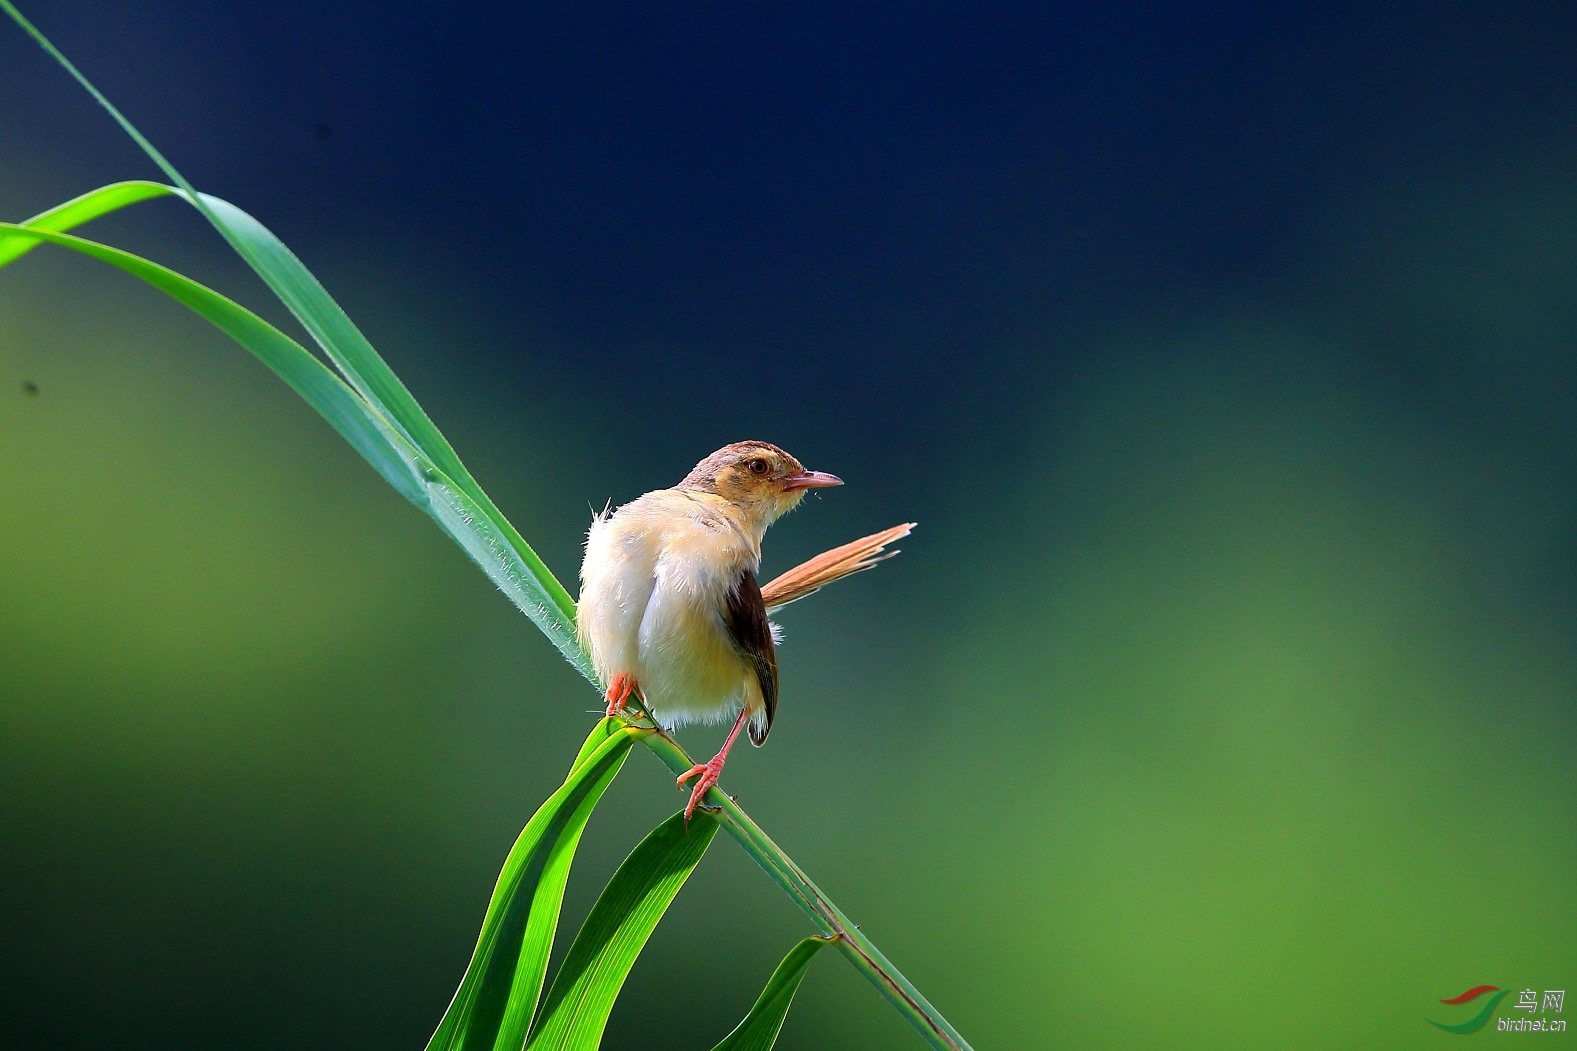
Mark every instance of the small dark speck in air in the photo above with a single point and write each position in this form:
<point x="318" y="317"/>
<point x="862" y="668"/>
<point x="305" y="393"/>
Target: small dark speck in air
<point x="322" y="130"/>
<point x="30" y="388"/>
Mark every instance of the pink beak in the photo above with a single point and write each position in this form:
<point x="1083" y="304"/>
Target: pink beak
<point x="810" y="480"/>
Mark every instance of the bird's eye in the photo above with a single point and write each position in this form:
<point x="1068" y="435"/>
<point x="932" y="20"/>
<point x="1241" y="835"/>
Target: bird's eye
<point x="757" y="467"/>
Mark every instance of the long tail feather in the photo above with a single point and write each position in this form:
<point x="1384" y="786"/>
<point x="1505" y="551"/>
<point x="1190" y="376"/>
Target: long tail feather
<point x="831" y="565"/>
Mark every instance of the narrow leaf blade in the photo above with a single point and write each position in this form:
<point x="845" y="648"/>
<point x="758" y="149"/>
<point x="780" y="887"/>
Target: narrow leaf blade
<point x="498" y="995"/>
<point x="497" y="548"/>
<point x="545" y="600"/>
<point x="577" y="1007"/>
<point x="79" y="210"/>
<point x="275" y="264"/>
<point x="349" y="414"/>
<point x="332" y="328"/>
<point x="759" y="1029"/>
<point x="604" y="729"/>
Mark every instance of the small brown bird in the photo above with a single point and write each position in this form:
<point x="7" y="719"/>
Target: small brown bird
<point x="669" y="605"/>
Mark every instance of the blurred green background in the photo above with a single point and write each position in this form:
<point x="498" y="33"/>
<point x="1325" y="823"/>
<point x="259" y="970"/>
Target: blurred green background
<point x="1223" y="698"/>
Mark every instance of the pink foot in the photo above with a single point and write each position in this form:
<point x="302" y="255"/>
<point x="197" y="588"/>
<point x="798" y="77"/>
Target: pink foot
<point x="707" y="775"/>
<point x="619" y="691"/>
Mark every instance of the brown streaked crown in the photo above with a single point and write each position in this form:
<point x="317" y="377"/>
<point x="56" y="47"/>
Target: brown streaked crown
<point x="758" y="478"/>
<point x="742" y="462"/>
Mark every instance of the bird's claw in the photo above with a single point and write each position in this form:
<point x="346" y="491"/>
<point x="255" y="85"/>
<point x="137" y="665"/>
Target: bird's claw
<point x="619" y="691"/>
<point x="707" y="775"/>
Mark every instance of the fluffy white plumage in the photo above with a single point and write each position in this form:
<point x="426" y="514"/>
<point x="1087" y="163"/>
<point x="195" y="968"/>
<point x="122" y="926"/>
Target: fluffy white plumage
<point x="654" y="587"/>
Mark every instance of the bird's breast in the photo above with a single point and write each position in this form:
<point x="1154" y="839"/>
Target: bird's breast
<point x="655" y="585"/>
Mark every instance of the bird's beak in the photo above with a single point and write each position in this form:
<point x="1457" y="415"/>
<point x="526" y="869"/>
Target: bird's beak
<point x="810" y="480"/>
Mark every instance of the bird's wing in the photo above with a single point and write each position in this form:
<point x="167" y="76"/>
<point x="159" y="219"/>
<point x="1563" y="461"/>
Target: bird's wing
<point x="831" y="565"/>
<point x="747" y="625"/>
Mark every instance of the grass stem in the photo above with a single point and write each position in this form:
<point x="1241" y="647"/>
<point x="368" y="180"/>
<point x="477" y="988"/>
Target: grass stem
<point x="851" y="941"/>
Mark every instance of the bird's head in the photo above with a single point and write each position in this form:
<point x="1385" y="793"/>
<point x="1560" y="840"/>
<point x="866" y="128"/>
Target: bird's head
<point x="760" y="479"/>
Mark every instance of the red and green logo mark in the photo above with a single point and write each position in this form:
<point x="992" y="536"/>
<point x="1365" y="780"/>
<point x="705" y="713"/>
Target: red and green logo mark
<point x="1528" y="1000"/>
<point x="1478" y="1021"/>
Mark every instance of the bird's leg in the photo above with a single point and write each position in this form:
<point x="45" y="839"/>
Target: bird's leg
<point x="709" y="772"/>
<point x="619" y="691"/>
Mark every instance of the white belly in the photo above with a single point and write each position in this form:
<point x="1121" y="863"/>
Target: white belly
<point x="653" y="587"/>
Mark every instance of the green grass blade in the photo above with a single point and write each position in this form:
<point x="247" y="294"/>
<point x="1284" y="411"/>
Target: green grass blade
<point x="576" y="1009"/>
<point x="498" y="995"/>
<point x="853" y="942"/>
<point x="601" y="732"/>
<point x="495" y="546"/>
<point x="283" y="273"/>
<point x="344" y="344"/>
<point x="349" y="414"/>
<point x="530" y="584"/>
<point x="759" y="1029"/>
<point x="341" y="340"/>
<point x="496" y="549"/>
<point x="79" y="210"/>
<point x="333" y="330"/>
<point x="548" y="604"/>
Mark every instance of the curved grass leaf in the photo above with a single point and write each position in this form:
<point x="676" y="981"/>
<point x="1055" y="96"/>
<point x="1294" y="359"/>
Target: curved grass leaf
<point x="493" y="1007"/>
<point x="576" y="1009"/>
<point x="760" y="1028"/>
<point x="367" y="431"/>
<point x="497" y="549"/>
<point x="296" y="287"/>
<point x="540" y="595"/>
<point x="550" y="606"/>
<point x="79" y="210"/>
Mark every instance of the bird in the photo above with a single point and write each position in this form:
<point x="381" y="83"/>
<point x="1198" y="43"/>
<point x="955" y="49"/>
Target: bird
<point x="670" y="610"/>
